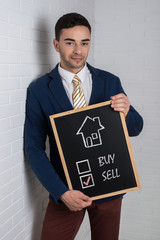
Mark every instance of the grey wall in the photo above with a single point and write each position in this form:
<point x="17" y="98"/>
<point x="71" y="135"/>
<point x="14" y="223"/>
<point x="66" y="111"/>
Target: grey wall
<point x="126" y="42"/>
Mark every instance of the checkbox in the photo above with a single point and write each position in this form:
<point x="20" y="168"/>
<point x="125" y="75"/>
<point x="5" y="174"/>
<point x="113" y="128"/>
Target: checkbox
<point x="83" y="166"/>
<point x="87" y="181"/>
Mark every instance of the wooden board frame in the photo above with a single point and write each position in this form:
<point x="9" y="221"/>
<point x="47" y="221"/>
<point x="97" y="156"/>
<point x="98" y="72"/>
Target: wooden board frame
<point x="60" y="149"/>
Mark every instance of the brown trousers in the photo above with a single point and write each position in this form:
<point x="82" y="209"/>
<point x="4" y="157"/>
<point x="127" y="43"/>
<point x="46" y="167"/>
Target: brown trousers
<point x="62" y="224"/>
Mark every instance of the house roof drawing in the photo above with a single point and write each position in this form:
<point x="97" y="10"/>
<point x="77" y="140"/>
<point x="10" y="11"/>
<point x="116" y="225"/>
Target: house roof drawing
<point x="90" y="125"/>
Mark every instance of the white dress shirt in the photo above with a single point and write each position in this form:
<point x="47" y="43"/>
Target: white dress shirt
<point x="85" y="83"/>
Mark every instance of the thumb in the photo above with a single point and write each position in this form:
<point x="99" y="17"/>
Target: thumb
<point x="86" y="198"/>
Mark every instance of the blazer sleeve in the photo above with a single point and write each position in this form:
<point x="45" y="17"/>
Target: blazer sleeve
<point x="35" y="138"/>
<point x="134" y="121"/>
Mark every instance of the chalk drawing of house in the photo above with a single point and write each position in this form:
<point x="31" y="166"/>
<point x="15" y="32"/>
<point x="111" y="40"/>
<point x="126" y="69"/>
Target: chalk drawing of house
<point x="90" y="132"/>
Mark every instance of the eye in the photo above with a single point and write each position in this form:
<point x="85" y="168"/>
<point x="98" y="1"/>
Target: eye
<point x="69" y="43"/>
<point x="85" y="44"/>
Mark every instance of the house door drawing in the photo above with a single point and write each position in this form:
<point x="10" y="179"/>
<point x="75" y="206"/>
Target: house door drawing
<point x="90" y="132"/>
<point x="89" y="142"/>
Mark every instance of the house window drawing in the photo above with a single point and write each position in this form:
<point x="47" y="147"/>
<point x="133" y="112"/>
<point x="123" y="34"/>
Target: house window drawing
<point x="90" y="132"/>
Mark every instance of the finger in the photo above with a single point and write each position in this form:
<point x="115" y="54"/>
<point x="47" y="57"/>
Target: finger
<point x="79" y="205"/>
<point x="120" y="105"/>
<point x="86" y="198"/>
<point x="85" y="204"/>
<point x="120" y="102"/>
<point x="75" y="206"/>
<point x="120" y="95"/>
<point x="123" y="110"/>
<point x="75" y="209"/>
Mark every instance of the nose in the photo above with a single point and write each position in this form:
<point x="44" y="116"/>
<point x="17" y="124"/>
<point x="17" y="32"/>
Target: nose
<point x="77" y="49"/>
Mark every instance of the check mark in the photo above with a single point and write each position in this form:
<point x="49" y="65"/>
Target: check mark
<point x="88" y="179"/>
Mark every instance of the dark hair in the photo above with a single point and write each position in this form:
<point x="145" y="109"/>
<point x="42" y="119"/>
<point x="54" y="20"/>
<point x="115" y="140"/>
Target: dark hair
<point x="70" y="20"/>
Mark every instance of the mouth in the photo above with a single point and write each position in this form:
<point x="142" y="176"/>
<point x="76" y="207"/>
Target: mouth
<point x="77" y="59"/>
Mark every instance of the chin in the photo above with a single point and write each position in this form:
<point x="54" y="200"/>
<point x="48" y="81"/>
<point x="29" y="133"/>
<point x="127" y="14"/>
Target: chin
<point x="79" y="65"/>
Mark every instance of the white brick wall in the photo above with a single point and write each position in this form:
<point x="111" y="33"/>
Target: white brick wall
<point x="129" y="46"/>
<point x="126" y="41"/>
<point x="26" y="52"/>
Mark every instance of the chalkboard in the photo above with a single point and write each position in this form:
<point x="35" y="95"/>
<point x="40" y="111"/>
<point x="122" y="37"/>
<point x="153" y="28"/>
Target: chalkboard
<point x="95" y="151"/>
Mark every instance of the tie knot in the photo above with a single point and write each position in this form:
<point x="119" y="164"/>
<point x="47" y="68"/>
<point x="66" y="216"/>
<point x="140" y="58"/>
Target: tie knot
<point x="76" y="80"/>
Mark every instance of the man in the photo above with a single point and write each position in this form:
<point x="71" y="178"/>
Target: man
<point x="52" y="93"/>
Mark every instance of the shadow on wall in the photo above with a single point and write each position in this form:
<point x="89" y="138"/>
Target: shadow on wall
<point x="36" y="201"/>
<point x="45" y="53"/>
<point x="37" y="196"/>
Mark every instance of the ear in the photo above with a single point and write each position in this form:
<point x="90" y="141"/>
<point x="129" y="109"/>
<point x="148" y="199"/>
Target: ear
<point x="56" y="44"/>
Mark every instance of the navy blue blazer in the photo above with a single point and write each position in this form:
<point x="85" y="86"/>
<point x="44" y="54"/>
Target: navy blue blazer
<point x="47" y="96"/>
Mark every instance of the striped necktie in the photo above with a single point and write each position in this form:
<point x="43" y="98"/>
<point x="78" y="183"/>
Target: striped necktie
<point x="78" y="96"/>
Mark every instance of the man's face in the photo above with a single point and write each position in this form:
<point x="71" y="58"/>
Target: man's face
<point x="73" y="47"/>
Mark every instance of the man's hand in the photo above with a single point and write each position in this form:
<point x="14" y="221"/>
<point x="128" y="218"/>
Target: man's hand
<point x="120" y="103"/>
<point x="75" y="200"/>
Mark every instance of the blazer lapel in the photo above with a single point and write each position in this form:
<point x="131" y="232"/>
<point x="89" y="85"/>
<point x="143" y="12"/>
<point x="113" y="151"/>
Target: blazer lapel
<point x="97" y="94"/>
<point x="58" y="91"/>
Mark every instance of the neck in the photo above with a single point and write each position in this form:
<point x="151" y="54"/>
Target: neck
<point x="72" y="70"/>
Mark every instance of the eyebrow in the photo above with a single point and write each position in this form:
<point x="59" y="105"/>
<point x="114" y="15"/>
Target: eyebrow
<point x="72" y="40"/>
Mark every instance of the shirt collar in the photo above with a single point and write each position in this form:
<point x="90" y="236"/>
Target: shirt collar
<point x="68" y="76"/>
